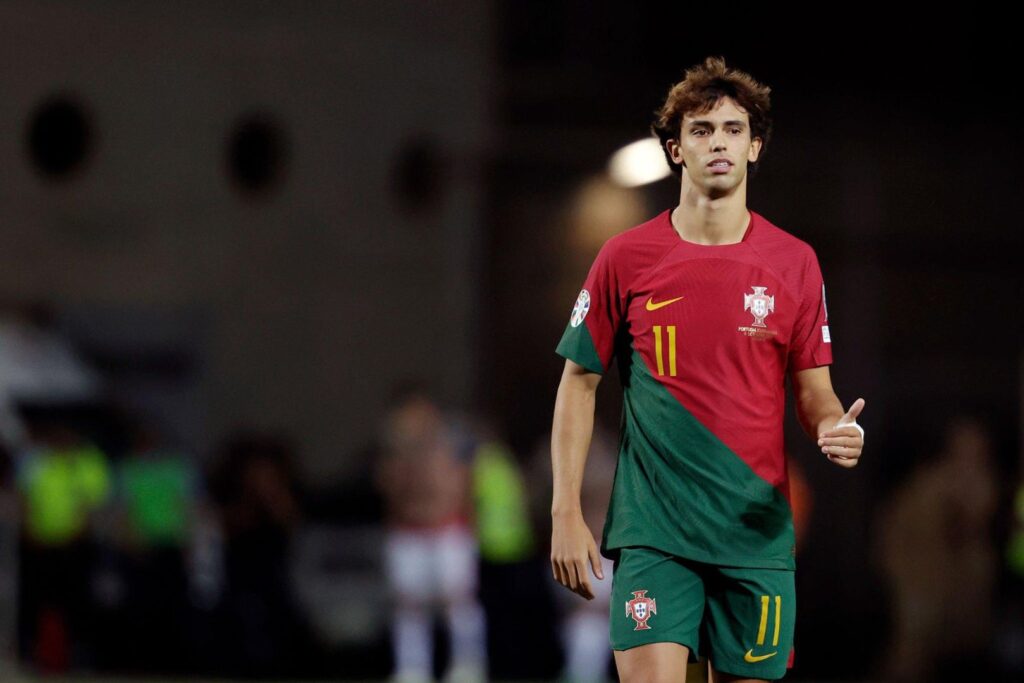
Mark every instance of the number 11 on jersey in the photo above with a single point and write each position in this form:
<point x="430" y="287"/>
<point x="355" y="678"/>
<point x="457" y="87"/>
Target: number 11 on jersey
<point x="670" y="331"/>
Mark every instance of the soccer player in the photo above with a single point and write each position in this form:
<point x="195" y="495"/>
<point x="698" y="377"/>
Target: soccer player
<point x="705" y="307"/>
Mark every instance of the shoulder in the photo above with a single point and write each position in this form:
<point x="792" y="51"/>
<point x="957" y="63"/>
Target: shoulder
<point x="640" y="244"/>
<point x="788" y="255"/>
<point x="791" y="258"/>
<point x="782" y="242"/>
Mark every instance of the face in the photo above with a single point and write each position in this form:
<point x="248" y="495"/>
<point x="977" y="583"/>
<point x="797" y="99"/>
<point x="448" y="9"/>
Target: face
<point x="722" y="133"/>
<point x="415" y="425"/>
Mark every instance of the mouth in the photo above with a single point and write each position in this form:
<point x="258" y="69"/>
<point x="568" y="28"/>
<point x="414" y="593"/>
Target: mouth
<point x="720" y="166"/>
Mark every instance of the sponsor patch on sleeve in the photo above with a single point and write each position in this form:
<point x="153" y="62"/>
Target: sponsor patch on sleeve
<point x="825" y="335"/>
<point x="580" y="308"/>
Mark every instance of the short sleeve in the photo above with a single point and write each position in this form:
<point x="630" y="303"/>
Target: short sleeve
<point x="589" y="337"/>
<point x="811" y="343"/>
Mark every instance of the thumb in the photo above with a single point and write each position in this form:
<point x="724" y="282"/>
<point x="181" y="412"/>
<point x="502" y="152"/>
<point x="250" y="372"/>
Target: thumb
<point x="595" y="562"/>
<point x="852" y="413"/>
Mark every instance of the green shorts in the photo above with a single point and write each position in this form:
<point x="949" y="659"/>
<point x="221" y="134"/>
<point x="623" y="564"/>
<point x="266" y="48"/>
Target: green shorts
<point x="740" y="618"/>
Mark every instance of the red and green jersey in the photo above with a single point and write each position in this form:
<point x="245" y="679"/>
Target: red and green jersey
<point x="703" y="335"/>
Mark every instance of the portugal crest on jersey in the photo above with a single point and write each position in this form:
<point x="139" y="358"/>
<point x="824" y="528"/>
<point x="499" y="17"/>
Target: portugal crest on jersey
<point x="579" y="310"/>
<point x="640" y="608"/>
<point x="760" y="304"/>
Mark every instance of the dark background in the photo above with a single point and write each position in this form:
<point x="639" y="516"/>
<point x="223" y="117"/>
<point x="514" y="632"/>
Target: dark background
<point x="269" y="212"/>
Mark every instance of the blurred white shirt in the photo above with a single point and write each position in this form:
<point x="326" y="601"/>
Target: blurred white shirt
<point x="38" y="366"/>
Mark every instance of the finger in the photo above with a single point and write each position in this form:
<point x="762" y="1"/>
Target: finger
<point x="570" y="573"/>
<point x="852" y="441"/>
<point x="854" y="411"/>
<point x="563" y="576"/>
<point x="843" y="462"/>
<point x="841" y="451"/>
<point x="841" y="430"/>
<point x="556" y="570"/>
<point x="595" y="562"/>
<point x="583" y="581"/>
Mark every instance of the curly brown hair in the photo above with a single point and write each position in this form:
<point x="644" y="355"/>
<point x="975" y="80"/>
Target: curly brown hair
<point x="701" y="88"/>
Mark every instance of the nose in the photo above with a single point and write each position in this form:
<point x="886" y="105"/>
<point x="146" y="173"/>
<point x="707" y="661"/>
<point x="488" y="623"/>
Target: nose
<point x="717" y="140"/>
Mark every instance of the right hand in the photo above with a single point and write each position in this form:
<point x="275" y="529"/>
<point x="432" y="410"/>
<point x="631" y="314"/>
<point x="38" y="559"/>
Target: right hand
<point x="572" y="549"/>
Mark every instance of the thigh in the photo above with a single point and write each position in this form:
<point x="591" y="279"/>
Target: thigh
<point x="750" y="621"/>
<point x="652" y="663"/>
<point x="655" y="598"/>
<point x="407" y="559"/>
<point x="456" y="563"/>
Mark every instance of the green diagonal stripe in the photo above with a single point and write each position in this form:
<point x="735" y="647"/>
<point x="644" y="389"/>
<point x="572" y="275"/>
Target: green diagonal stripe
<point x="679" y="488"/>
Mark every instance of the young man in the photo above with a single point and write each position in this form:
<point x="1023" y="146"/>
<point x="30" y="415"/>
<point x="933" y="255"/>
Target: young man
<point x="706" y="307"/>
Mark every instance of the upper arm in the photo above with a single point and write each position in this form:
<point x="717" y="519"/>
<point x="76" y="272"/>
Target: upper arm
<point x="811" y="343"/>
<point x="811" y="381"/>
<point x="577" y="374"/>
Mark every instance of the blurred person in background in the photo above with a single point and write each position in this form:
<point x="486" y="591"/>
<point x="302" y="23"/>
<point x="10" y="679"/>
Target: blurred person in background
<point x="500" y="500"/>
<point x="938" y="553"/>
<point x="256" y="489"/>
<point x="509" y="580"/>
<point x="40" y="367"/>
<point x="158" y="488"/>
<point x="64" y="480"/>
<point x="431" y="553"/>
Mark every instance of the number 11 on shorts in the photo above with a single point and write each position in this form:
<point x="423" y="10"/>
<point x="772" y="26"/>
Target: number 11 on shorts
<point x="763" y="627"/>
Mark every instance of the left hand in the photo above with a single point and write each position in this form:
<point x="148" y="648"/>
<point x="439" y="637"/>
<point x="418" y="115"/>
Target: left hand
<point x="844" y="442"/>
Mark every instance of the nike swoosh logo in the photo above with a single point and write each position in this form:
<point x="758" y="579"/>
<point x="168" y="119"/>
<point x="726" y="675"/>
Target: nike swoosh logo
<point x="750" y="657"/>
<point x="651" y="306"/>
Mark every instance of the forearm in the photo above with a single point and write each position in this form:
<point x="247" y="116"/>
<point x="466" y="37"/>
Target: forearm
<point x="571" y="432"/>
<point x="818" y="411"/>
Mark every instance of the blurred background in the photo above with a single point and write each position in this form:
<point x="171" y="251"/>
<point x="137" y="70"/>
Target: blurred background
<point x="281" y="283"/>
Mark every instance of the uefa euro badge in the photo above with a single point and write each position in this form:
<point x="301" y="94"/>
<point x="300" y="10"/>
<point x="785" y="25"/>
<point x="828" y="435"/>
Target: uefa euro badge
<point x="760" y="304"/>
<point x="640" y="608"/>
<point x="579" y="311"/>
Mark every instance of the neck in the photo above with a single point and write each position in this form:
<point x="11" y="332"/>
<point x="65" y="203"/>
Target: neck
<point x="711" y="220"/>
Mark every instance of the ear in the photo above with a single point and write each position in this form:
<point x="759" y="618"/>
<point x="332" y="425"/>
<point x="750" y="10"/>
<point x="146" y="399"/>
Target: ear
<point x="673" y="149"/>
<point x="755" y="150"/>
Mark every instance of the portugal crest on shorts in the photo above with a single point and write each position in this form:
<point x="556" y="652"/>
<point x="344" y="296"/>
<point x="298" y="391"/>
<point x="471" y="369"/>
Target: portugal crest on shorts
<point x="640" y="608"/>
<point x="760" y="304"/>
